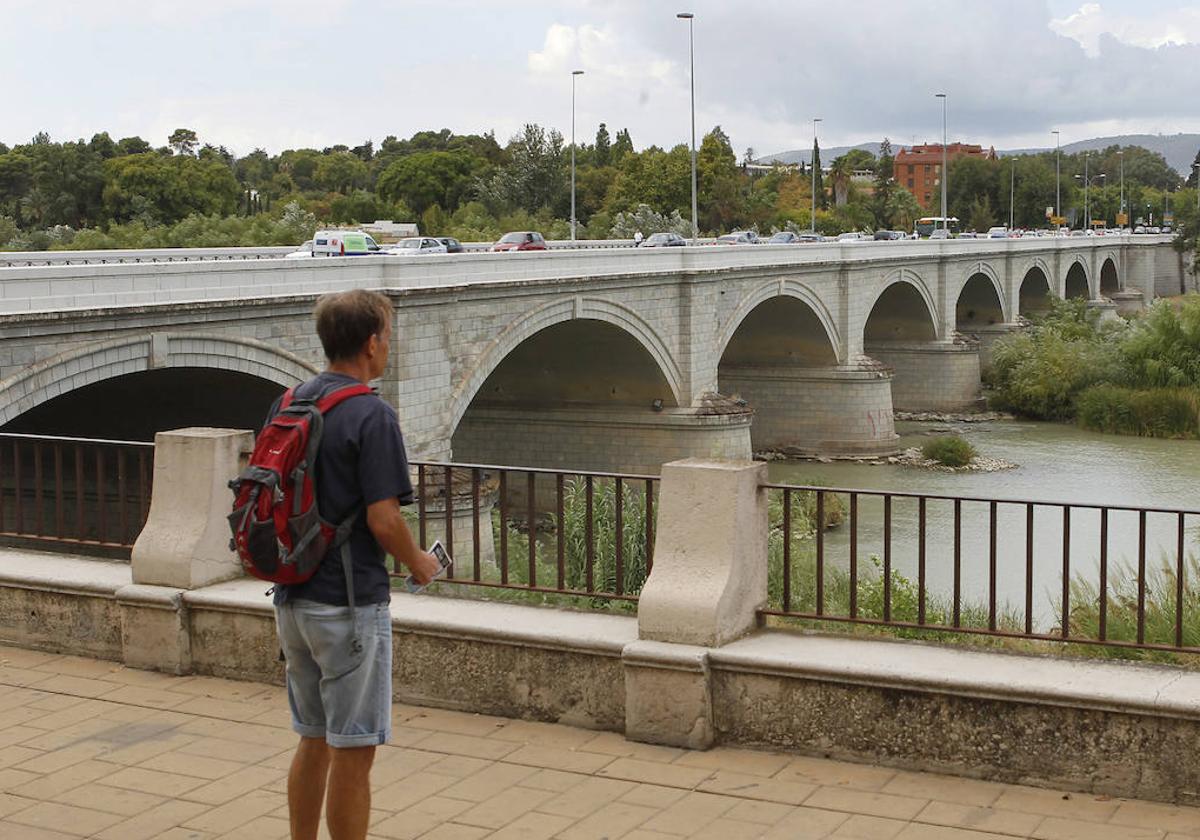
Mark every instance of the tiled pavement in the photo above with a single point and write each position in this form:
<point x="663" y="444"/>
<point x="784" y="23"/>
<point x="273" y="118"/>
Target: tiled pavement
<point x="92" y="749"/>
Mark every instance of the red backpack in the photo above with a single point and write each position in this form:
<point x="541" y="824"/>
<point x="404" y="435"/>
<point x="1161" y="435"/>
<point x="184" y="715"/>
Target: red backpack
<point x="278" y="533"/>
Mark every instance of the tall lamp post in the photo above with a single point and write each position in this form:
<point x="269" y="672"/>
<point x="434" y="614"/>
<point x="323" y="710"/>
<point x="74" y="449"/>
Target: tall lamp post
<point x="945" y="169"/>
<point x="1121" y="157"/>
<point x="1087" y="182"/>
<point x="1012" y="189"/>
<point x="1057" y="176"/>
<point x="813" y="166"/>
<point x="689" y="17"/>
<point x="1196" y="166"/>
<point x="574" y="73"/>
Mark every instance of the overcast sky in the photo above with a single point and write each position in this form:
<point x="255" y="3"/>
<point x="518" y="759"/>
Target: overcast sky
<point x="290" y="73"/>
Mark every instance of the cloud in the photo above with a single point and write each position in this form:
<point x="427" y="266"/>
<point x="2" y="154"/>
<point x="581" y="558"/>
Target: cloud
<point x="1150" y="27"/>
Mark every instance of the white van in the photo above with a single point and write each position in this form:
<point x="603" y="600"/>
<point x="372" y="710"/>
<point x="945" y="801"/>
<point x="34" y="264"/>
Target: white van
<point x="343" y="243"/>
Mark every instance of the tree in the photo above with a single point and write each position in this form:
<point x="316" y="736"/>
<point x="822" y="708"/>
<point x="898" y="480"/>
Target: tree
<point x="427" y="178"/>
<point x="340" y="172"/>
<point x="980" y="216"/>
<point x="840" y="173"/>
<point x="155" y="189"/>
<point x="645" y="219"/>
<point x="183" y="141"/>
<point x="603" y="150"/>
<point x="1194" y="173"/>
<point x="535" y="178"/>
<point x="132" y="146"/>
<point x="881" y="201"/>
<point x="623" y="145"/>
<point x="822" y="201"/>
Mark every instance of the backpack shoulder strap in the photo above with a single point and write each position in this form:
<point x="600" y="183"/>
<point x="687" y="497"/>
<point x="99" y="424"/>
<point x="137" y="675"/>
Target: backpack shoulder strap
<point x="336" y="397"/>
<point x="287" y="398"/>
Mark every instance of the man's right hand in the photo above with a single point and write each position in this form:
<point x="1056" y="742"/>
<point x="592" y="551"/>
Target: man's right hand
<point x="424" y="567"/>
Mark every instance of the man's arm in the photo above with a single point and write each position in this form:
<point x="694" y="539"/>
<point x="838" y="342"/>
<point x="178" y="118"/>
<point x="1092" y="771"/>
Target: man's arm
<point x="387" y="525"/>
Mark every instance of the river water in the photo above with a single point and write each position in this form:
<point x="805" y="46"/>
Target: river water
<point x="1056" y="463"/>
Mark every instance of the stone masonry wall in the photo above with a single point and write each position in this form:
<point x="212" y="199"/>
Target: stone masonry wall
<point x="931" y="377"/>
<point x="820" y="410"/>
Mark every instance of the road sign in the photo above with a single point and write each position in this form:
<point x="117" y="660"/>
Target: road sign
<point x="1122" y="219"/>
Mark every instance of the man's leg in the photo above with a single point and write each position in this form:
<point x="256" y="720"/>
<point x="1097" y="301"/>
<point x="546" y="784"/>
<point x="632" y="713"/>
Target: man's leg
<point x="348" y="802"/>
<point x="306" y="787"/>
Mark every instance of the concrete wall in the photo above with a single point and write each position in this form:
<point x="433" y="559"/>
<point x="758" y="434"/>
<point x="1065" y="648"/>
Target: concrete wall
<point x="597" y="438"/>
<point x="933" y="376"/>
<point x="817" y="410"/>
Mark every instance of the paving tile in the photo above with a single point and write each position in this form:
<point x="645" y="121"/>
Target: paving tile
<point x="220" y="689"/>
<point x="586" y="797"/>
<point x="10" y="804"/>
<point x="555" y="780"/>
<point x="236" y="813"/>
<point x="420" y="817"/>
<point x="218" y="708"/>
<point x="24" y="658"/>
<point x="1059" y="828"/>
<point x="612" y="820"/>
<point x="62" y="721"/>
<point x="185" y="834"/>
<point x="861" y="827"/>
<point x="543" y="734"/>
<point x="11" y="779"/>
<point x="192" y="765"/>
<point x="48" y="762"/>
<point x="69" y="778"/>
<point x="488" y="782"/>
<point x="757" y="787"/>
<point x="391" y="764"/>
<point x="136" y="695"/>
<point x="722" y="829"/>
<point x="913" y="831"/>
<point x="979" y="819"/>
<point x="74" y="666"/>
<point x="230" y="787"/>
<point x="654" y="796"/>
<point x="453" y="831"/>
<point x="223" y="748"/>
<point x="113" y="800"/>
<point x="614" y="744"/>
<point x="74" y="686"/>
<point x="748" y="762"/>
<point x="472" y="746"/>
<point x="15" y="831"/>
<point x="153" y="781"/>
<point x="262" y="828"/>
<point x="407" y="792"/>
<point x="555" y="758"/>
<point x="504" y="807"/>
<point x="763" y="813"/>
<point x="1155" y="815"/>
<point x="54" y="702"/>
<point x="18" y="676"/>
<point x="944" y="788"/>
<point x="16" y="754"/>
<point x="691" y="813"/>
<point x="67" y="819"/>
<point x="636" y="770"/>
<point x="533" y="826"/>
<point x="455" y="722"/>
<point x="818" y="771"/>
<point x="1053" y="803"/>
<point x="866" y="802"/>
<point x="154" y="823"/>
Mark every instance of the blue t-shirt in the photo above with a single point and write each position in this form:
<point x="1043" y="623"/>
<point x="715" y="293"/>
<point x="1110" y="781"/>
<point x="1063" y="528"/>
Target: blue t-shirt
<point x="361" y="461"/>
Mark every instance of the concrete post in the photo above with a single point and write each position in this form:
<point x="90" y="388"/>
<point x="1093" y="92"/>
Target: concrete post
<point x="710" y="576"/>
<point x="185" y="543"/>
<point x="709" y="579"/>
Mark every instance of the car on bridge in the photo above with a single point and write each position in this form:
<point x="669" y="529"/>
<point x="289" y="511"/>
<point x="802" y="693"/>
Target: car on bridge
<point x="415" y="246"/>
<point x="663" y="239"/>
<point x="737" y="237"/>
<point x="453" y="246"/>
<point x="343" y="243"/>
<point x="521" y="240"/>
<point x="305" y="250"/>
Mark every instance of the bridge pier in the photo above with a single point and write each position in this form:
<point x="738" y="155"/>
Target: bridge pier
<point x="829" y="410"/>
<point x="601" y="438"/>
<point x="933" y="375"/>
<point x="987" y="335"/>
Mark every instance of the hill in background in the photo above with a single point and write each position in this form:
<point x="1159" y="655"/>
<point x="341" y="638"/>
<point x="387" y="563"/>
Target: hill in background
<point x="1178" y="149"/>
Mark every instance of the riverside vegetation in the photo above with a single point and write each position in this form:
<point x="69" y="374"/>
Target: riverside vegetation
<point x="1140" y="377"/>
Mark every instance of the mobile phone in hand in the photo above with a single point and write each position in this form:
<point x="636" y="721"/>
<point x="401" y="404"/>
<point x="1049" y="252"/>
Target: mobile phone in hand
<point x="444" y="561"/>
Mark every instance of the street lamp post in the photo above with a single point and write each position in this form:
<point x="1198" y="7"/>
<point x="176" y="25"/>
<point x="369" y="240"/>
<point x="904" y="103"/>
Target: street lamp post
<point x="813" y="166"/>
<point x="1087" y="182"/>
<point x="1121" y="157"/>
<point x="1057" y="177"/>
<point x="945" y="169"/>
<point x="1012" y="189"/>
<point x="690" y="18"/>
<point x="1196" y="166"/>
<point x="574" y="73"/>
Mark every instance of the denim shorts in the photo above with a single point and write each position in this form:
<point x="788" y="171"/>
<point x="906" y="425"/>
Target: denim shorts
<point x="336" y="692"/>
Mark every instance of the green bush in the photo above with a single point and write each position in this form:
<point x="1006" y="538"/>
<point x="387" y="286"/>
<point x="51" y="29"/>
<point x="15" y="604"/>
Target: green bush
<point x="1155" y="412"/>
<point x="950" y="450"/>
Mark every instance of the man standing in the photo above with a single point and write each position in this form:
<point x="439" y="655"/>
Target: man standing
<point x="339" y="668"/>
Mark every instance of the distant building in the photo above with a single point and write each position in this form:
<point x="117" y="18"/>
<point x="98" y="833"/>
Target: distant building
<point x="919" y="170"/>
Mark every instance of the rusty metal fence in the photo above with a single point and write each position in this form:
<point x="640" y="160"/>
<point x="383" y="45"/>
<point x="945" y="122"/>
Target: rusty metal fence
<point x="560" y="532"/>
<point x="1017" y="568"/>
<point x="75" y="494"/>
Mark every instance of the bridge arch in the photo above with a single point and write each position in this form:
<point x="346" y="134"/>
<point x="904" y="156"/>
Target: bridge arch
<point x="1077" y="282"/>
<point x="1035" y="292"/>
<point x="94" y="363"/>
<point x="903" y="310"/>
<point x="1110" y="280"/>
<point x="981" y="300"/>
<point x="782" y="289"/>
<point x="554" y="314"/>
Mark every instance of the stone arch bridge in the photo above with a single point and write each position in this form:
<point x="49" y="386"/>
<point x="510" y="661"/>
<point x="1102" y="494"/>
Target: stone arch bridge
<point x="590" y="359"/>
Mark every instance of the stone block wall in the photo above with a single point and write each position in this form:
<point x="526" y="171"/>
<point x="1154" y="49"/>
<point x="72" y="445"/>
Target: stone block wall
<point x="825" y="411"/>
<point x="633" y="440"/>
<point x="938" y="376"/>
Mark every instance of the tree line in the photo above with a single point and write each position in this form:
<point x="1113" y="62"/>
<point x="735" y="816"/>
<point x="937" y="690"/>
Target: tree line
<point x="128" y="193"/>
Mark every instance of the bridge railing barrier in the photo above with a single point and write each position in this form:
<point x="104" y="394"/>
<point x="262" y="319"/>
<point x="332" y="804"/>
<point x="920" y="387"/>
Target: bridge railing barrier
<point x="938" y="565"/>
<point x="74" y="494"/>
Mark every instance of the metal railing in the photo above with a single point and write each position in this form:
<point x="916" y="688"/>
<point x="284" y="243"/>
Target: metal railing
<point x="558" y="532"/>
<point x="1092" y="598"/>
<point x="74" y="493"/>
